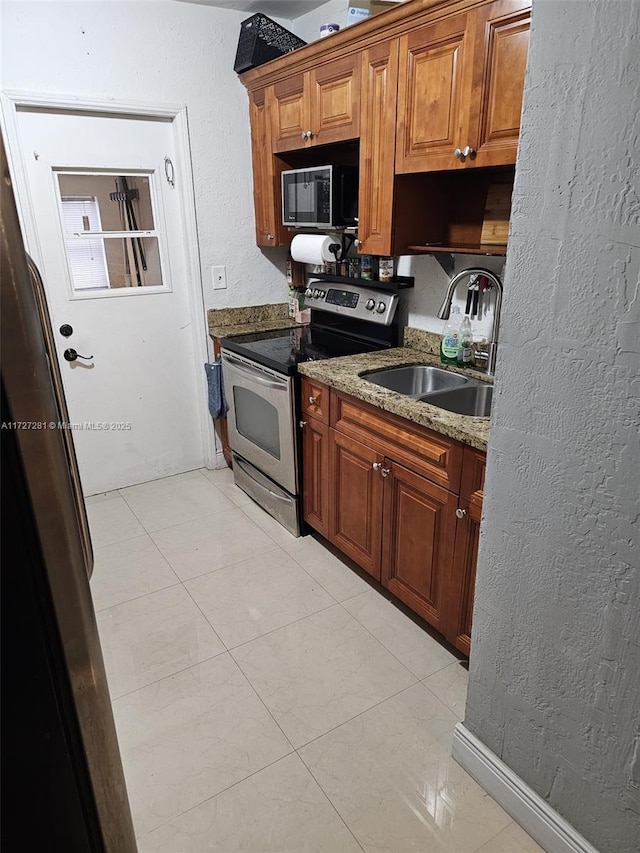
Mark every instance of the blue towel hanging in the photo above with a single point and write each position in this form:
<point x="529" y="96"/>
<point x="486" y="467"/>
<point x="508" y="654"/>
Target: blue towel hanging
<point x="217" y="401"/>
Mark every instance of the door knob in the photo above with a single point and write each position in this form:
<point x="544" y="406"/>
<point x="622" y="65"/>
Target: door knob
<point x="66" y="330"/>
<point x="460" y="513"/>
<point x="72" y="355"/>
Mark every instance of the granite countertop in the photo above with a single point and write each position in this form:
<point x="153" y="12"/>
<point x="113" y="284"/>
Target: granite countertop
<point x="343" y="374"/>
<point x="244" y="321"/>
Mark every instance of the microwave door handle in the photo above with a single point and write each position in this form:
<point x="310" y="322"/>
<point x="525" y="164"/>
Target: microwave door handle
<point x="255" y="375"/>
<point x="238" y="462"/>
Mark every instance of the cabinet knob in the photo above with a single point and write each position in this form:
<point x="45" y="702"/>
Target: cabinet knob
<point x="385" y="472"/>
<point x="302" y="424"/>
<point x="460" y="513"/>
<point x="310" y="134"/>
<point x="313" y="401"/>
<point x="457" y="153"/>
<point x="377" y="466"/>
<point x="303" y="135"/>
<point x="467" y="151"/>
<point x="269" y="236"/>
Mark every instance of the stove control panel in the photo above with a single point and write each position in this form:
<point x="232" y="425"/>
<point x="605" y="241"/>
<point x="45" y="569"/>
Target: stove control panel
<point x="361" y="303"/>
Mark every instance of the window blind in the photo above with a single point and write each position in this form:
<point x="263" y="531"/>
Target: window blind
<point x="87" y="257"/>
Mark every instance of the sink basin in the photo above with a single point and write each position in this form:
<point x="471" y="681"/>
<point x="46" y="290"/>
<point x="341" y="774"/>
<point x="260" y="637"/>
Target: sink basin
<point x="474" y="400"/>
<point x="414" y="380"/>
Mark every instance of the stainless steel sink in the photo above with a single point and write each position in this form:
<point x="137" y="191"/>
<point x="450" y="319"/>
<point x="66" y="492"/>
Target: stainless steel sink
<point x="474" y="400"/>
<point x="414" y="380"/>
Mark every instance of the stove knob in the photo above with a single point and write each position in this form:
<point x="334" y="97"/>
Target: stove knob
<point x="381" y="307"/>
<point x="323" y="293"/>
<point x="370" y="304"/>
<point x="308" y="292"/>
<point x="318" y="294"/>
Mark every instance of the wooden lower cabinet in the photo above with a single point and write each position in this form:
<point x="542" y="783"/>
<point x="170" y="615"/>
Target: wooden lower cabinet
<point x="315" y="464"/>
<point x="355" y="520"/>
<point x="418" y="540"/>
<point x="463" y="577"/>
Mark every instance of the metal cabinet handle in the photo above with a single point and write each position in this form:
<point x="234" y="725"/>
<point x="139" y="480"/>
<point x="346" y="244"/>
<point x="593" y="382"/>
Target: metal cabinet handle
<point x="72" y="355"/>
<point x="377" y="466"/>
<point x="269" y="236"/>
<point x="303" y="135"/>
<point x="460" y="513"/>
<point x="385" y="472"/>
<point x="467" y="151"/>
<point x="302" y="424"/>
<point x="457" y="153"/>
<point x="310" y="134"/>
<point x="313" y="401"/>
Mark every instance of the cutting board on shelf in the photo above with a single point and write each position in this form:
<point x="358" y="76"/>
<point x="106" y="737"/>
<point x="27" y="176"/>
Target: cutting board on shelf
<point x="495" y="225"/>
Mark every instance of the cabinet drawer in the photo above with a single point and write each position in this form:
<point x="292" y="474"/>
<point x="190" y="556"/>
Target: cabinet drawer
<point x="428" y="453"/>
<point x="315" y="400"/>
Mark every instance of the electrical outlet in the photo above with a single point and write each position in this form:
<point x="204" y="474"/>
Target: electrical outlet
<point x="219" y="275"/>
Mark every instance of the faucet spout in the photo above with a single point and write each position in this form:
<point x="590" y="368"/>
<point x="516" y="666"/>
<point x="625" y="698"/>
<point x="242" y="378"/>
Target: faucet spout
<point x="445" y="309"/>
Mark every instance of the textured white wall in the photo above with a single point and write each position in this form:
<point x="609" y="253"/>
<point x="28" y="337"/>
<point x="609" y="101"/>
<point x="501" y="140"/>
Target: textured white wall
<point x="555" y="666"/>
<point x="161" y="52"/>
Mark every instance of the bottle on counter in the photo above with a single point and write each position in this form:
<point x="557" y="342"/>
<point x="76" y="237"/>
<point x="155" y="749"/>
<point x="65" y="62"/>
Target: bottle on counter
<point x="385" y="269"/>
<point x="465" y="345"/>
<point x="450" y="338"/>
<point x="366" y="267"/>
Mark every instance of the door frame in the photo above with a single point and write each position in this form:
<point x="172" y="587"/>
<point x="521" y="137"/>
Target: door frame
<point x="12" y="100"/>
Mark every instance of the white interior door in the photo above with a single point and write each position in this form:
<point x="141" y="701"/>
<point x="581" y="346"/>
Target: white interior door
<point x="111" y="249"/>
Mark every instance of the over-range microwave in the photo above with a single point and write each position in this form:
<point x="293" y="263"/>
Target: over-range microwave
<point x="320" y="197"/>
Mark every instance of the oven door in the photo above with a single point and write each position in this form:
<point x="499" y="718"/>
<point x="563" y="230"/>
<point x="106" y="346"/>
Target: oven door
<point x="261" y="418"/>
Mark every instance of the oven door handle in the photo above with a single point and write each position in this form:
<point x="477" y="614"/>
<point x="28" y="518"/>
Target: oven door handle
<point x="278" y="497"/>
<point x="255" y="375"/>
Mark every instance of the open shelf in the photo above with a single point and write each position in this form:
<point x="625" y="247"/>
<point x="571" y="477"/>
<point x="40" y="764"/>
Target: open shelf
<point x="398" y="282"/>
<point x="453" y="248"/>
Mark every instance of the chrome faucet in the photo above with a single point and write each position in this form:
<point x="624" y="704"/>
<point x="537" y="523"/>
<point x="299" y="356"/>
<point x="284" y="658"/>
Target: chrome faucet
<point x="445" y="311"/>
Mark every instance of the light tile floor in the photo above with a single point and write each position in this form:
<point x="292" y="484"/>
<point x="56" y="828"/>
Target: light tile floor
<point x="267" y="698"/>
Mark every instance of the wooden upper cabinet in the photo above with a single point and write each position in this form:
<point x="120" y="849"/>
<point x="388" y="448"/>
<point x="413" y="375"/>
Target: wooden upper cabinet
<point x="501" y="49"/>
<point x="377" y="148"/>
<point x="433" y="93"/>
<point x="265" y="172"/>
<point x="317" y="107"/>
<point x="460" y="89"/>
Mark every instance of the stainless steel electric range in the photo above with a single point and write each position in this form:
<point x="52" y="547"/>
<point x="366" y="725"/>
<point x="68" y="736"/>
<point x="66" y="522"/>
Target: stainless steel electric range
<point x="262" y="386"/>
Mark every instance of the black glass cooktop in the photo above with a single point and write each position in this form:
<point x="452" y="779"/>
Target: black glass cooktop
<point x="283" y="349"/>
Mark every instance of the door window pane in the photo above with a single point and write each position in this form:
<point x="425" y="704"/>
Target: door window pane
<point x="110" y="238"/>
<point x="257" y="420"/>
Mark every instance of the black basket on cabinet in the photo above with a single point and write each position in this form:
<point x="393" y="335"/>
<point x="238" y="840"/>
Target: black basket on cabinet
<point x="262" y="40"/>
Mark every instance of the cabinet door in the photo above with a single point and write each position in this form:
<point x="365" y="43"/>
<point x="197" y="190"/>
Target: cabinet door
<point x="265" y="194"/>
<point x="434" y="89"/>
<point x="289" y="112"/>
<point x="355" y="520"/>
<point x="418" y="542"/>
<point x="500" y="63"/>
<point x="463" y="581"/>
<point x="334" y="90"/>
<point x="377" y="148"/>
<point x="315" y="473"/>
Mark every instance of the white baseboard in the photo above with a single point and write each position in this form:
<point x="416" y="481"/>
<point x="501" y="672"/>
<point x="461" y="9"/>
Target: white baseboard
<point x="528" y="809"/>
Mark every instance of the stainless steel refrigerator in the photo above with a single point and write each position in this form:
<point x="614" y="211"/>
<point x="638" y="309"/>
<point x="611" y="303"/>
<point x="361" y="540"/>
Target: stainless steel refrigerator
<point x="63" y="787"/>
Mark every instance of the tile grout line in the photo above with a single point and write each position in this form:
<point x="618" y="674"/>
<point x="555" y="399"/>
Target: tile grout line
<point x="227" y="566"/>
<point x="511" y="821"/>
<point x="360" y="714"/>
<point x="330" y="801"/>
<point x="135" y="598"/>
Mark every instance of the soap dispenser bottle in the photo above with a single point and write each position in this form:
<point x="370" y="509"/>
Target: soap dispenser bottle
<point x="465" y="345"/>
<point x="450" y="338"/>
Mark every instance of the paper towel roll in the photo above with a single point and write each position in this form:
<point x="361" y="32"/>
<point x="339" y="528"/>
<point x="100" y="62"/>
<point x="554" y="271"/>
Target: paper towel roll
<point x="312" y="248"/>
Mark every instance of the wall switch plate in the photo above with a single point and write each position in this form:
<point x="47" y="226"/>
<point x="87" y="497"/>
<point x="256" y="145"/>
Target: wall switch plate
<point x="219" y="276"/>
